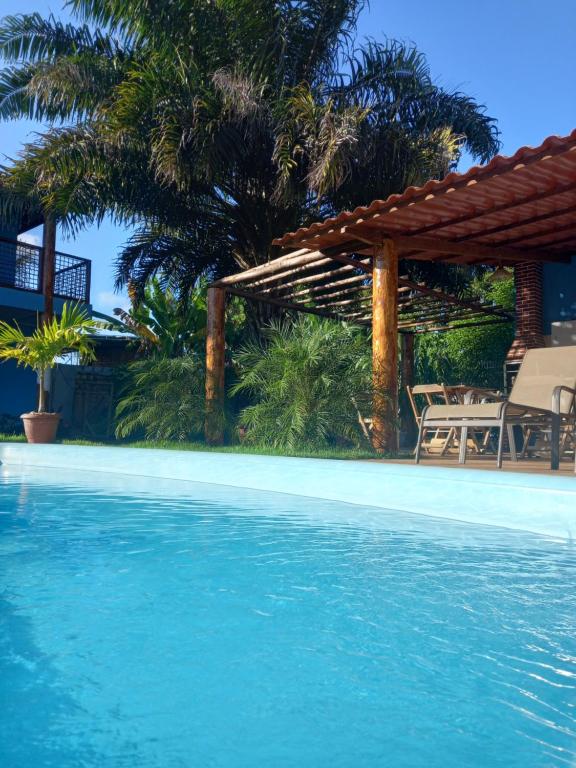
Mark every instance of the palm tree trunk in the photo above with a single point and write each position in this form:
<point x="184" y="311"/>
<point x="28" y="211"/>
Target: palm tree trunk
<point x="42" y="392"/>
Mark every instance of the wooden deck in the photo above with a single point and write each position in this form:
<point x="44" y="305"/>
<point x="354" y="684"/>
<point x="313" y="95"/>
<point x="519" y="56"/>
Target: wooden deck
<point x="539" y="466"/>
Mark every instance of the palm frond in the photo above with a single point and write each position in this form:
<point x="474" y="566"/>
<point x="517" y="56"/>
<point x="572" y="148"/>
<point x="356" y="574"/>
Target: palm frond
<point x="216" y="127"/>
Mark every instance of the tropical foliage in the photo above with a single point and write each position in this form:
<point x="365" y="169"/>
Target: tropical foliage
<point x="166" y="325"/>
<point x="162" y="391"/>
<point x="163" y="399"/>
<point x="41" y="350"/>
<point x="474" y="356"/>
<point x="310" y="384"/>
<point x="217" y="126"/>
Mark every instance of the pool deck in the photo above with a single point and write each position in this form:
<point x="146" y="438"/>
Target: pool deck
<point x="524" y="466"/>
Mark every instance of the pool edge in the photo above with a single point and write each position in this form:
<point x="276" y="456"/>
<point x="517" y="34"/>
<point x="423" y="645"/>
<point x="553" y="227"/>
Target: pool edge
<point x="538" y="503"/>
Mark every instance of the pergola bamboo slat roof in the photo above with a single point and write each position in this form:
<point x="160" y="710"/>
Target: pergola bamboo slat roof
<point x="307" y="281"/>
<point x="514" y="209"/>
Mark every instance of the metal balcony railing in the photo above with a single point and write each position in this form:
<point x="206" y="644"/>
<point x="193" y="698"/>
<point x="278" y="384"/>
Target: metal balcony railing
<point x="21" y="267"/>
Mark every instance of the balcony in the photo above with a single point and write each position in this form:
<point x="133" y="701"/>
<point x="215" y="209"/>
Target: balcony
<point x="21" y="268"/>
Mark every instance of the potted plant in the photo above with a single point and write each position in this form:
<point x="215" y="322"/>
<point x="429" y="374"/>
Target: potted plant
<point x="40" y="351"/>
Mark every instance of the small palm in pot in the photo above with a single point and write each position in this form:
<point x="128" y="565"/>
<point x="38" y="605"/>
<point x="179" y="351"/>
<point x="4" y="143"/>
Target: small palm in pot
<point x="40" y="351"/>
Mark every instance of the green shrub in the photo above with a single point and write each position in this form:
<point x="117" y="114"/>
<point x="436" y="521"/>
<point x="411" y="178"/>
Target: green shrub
<point x="310" y="382"/>
<point x="473" y="355"/>
<point x="163" y="399"/>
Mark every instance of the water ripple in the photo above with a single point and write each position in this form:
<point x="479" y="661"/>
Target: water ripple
<point x="187" y="626"/>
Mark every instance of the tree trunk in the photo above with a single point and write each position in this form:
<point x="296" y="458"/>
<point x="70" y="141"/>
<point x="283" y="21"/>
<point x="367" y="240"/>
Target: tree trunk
<point x="215" y="348"/>
<point x="48" y="267"/>
<point x="41" y="392"/>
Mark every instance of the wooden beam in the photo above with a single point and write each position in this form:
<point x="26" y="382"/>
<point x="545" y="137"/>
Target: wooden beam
<point x="315" y="278"/>
<point x="338" y="283"/>
<point x="361" y="264"/>
<point x="48" y="266"/>
<point x="454" y="327"/>
<point x="385" y="347"/>
<point x="407" y="242"/>
<point x="511" y="225"/>
<point x="476" y="251"/>
<point x="359" y="301"/>
<point x="316" y="295"/>
<point x="340" y="252"/>
<point x="287" y="273"/>
<point x="427" y="318"/>
<point x="292" y="306"/>
<point x="360" y="294"/>
<point x="324" y="291"/>
<point x="294" y="259"/>
<point x="215" y="348"/>
<point x="453" y="300"/>
<point x="550" y="234"/>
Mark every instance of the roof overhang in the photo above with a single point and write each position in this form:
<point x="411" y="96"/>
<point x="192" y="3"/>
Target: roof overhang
<point x="518" y="208"/>
<point x="514" y="209"/>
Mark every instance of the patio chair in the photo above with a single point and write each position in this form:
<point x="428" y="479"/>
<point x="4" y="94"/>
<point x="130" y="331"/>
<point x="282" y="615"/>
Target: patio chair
<point x="441" y="441"/>
<point x="542" y="397"/>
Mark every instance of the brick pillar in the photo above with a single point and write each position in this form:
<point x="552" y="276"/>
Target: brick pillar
<point x="529" y="298"/>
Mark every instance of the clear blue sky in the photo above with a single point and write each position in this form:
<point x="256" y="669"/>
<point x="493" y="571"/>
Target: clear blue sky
<point x="518" y="57"/>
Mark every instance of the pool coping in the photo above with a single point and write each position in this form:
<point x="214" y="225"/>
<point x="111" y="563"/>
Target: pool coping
<point x="541" y="504"/>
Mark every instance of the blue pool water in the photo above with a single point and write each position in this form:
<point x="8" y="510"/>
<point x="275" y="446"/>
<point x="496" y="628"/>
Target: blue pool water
<point x="154" y="624"/>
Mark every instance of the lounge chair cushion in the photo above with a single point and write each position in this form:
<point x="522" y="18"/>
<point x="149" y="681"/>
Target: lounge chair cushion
<point x="472" y="411"/>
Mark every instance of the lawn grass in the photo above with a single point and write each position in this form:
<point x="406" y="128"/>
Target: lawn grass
<point x="312" y="453"/>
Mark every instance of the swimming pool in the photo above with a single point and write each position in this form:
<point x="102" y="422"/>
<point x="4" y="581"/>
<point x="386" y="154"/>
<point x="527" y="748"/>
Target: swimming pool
<point x="166" y="624"/>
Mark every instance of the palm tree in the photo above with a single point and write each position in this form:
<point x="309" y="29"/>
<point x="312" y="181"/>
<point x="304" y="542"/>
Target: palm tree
<point x="41" y="350"/>
<point x="309" y="381"/>
<point x="217" y="126"/>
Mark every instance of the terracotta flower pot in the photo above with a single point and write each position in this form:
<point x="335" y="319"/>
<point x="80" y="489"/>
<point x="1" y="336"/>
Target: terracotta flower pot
<point x="40" y="427"/>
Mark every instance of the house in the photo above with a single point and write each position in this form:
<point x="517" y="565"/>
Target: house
<point x="29" y="274"/>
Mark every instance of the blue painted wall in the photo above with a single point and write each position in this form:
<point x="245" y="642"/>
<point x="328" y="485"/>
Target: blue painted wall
<point x="18" y="390"/>
<point x="559" y="293"/>
<point x="14" y="298"/>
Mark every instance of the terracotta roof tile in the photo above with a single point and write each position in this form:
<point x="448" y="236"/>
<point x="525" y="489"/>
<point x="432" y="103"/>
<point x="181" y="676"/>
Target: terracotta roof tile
<point x="468" y="190"/>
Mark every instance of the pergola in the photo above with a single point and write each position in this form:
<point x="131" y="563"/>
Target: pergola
<point x="514" y="210"/>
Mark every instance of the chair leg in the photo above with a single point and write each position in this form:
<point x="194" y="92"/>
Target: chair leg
<point x="421" y="431"/>
<point x="448" y="442"/>
<point x="555" y="442"/>
<point x="512" y="442"/>
<point x="463" y="445"/>
<point x="527" y="437"/>
<point x="477" y="443"/>
<point x="500" y="446"/>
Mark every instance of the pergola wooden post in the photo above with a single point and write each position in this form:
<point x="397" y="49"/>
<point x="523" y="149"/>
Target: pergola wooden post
<point x="385" y="347"/>
<point x="48" y="266"/>
<point x="215" y="345"/>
